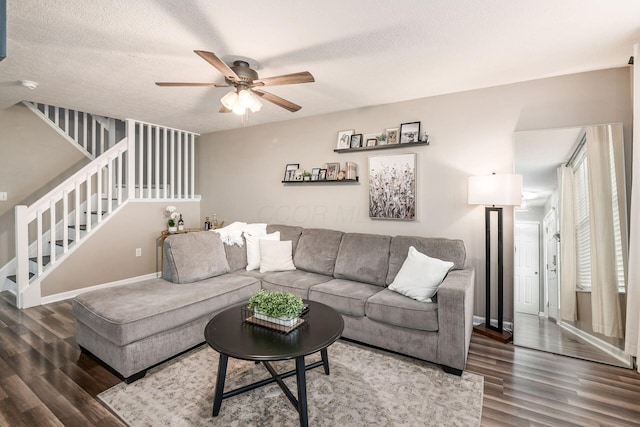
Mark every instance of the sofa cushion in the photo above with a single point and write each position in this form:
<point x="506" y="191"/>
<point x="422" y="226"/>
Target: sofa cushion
<point x="287" y="232"/>
<point x="236" y="256"/>
<point x="297" y="282"/>
<point x="317" y="250"/>
<point x="445" y="249"/>
<point x="275" y="256"/>
<point x="364" y="258"/>
<point x="190" y="257"/>
<point x="420" y="276"/>
<point x="346" y="296"/>
<point x="392" y="308"/>
<point x="128" y="313"/>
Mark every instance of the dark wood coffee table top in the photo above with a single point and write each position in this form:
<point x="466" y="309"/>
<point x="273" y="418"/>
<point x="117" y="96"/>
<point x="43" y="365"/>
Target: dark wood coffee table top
<point x="229" y="334"/>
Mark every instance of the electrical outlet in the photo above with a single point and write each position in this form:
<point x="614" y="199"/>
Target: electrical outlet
<point x="138" y="251"/>
<point x="3" y="196"/>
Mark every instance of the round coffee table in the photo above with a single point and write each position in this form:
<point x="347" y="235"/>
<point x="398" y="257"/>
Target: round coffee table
<point x="231" y="336"/>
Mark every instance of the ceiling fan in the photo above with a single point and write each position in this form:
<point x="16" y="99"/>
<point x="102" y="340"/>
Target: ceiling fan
<point x="246" y="84"/>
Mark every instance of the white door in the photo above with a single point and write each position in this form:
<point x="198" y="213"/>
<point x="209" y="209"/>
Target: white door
<point x="551" y="264"/>
<point x="526" y="259"/>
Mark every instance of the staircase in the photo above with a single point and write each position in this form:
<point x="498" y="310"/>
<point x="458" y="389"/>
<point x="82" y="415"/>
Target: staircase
<point x="149" y="162"/>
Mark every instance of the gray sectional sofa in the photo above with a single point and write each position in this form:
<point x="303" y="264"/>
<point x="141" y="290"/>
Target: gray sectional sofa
<point x="135" y="326"/>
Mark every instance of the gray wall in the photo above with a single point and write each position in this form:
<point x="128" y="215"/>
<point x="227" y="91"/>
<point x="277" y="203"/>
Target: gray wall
<point x="240" y="171"/>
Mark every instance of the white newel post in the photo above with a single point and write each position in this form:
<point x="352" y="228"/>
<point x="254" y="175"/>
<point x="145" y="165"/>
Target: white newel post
<point x="22" y="253"/>
<point x="131" y="159"/>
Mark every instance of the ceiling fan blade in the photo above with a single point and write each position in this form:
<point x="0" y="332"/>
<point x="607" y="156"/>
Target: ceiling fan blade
<point x="280" y="102"/>
<point x="191" y="84"/>
<point x="286" y="79"/>
<point x="224" y="109"/>
<point x="212" y="59"/>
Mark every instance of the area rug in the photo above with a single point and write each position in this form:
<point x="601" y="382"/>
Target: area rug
<point x="366" y="387"/>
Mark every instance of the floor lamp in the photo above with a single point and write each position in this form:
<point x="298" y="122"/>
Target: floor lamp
<point x="494" y="192"/>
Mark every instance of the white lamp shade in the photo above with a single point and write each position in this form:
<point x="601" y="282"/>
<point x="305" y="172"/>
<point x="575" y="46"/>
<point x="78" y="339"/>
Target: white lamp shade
<point x="230" y="100"/>
<point x="245" y="99"/>
<point x="257" y="104"/>
<point x="495" y="190"/>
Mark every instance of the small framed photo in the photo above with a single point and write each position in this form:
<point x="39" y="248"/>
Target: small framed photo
<point x="332" y="171"/>
<point x="356" y="140"/>
<point x="392" y="135"/>
<point x="344" y="139"/>
<point x="371" y="142"/>
<point x="409" y="132"/>
<point x="315" y="174"/>
<point x="290" y="171"/>
<point x="322" y="176"/>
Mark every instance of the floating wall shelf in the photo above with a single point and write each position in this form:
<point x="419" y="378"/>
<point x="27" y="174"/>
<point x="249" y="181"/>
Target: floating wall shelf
<point x="326" y="181"/>
<point x="380" y="147"/>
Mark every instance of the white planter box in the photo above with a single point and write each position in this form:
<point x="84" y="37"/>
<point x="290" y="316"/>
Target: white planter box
<point x="284" y="321"/>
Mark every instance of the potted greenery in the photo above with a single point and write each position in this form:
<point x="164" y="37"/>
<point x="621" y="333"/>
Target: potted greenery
<point x="382" y="139"/>
<point x="278" y="307"/>
<point x="307" y="175"/>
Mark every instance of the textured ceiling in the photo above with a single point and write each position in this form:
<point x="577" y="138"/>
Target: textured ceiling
<point x="104" y="56"/>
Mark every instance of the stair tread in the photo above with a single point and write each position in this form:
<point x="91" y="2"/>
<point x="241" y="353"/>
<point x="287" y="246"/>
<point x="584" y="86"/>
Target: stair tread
<point x="82" y="227"/>
<point x="45" y="259"/>
<point x="96" y="212"/>
<point x="14" y="278"/>
<point x="59" y="242"/>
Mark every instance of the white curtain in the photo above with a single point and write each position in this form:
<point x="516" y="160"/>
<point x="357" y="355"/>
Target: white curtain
<point x="605" y="300"/>
<point x="632" y="341"/>
<point x="567" y="245"/>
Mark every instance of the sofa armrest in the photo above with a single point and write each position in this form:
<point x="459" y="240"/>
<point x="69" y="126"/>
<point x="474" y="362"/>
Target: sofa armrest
<point x="455" y="317"/>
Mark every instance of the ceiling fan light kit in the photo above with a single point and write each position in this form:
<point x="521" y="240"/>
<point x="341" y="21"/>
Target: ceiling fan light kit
<point x="243" y="79"/>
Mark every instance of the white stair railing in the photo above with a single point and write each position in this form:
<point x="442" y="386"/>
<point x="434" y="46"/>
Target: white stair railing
<point x="89" y="133"/>
<point x="152" y="162"/>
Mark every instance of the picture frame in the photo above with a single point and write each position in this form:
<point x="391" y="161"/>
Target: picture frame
<point x="393" y="135"/>
<point x="409" y="132"/>
<point x="290" y="170"/>
<point x="392" y="187"/>
<point x="371" y="142"/>
<point x="322" y="176"/>
<point x="315" y="174"/>
<point x="332" y="171"/>
<point x="356" y="140"/>
<point x="344" y="139"/>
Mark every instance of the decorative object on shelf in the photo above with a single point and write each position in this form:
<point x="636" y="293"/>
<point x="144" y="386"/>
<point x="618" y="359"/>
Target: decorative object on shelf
<point x="289" y="171"/>
<point x="306" y="175"/>
<point x="351" y="169"/>
<point x="297" y="175"/>
<point x="425" y="138"/>
<point x="392" y="187"/>
<point x="332" y="171"/>
<point x="275" y="309"/>
<point x="315" y="174"/>
<point x="344" y="138"/>
<point x="207" y="224"/>
<point x="322" y="176"/>
<point x="215" y="221"/>
<point x="180" y="224"/>
<point x="491" y="191"/>
<point x="371" y="142"/>
<point x="341" y="176"/>
<point x="370" y="139"/>
<point x="356" y="140"/>
<point x="392" y="135"/>
<point x="172" y="213"/>
<point x="381" y="139"/>
<point x="409" y="132"/>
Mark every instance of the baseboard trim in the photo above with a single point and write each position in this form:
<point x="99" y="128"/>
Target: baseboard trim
<point x="71" y="294"/>
<point x="598" y="343"/>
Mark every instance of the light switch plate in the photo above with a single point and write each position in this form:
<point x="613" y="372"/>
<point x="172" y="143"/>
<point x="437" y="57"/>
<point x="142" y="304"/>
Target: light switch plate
<point x="3" y="196"/>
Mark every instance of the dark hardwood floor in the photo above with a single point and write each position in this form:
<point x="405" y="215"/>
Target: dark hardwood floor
<point x="46" y="381"/>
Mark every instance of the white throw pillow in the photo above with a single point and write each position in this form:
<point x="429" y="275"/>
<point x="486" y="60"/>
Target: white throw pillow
<point x="420" y="276"/>
<point x="275" y="255"/>
<point x="253" y="248"/>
